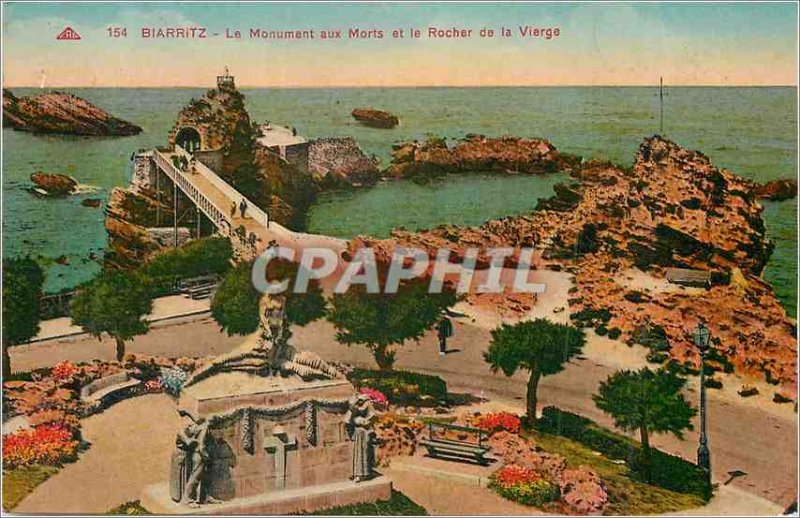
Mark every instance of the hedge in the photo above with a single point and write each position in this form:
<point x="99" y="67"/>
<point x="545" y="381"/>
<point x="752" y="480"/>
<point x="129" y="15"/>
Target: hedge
<point x="403" y="387"/>
<point x="206" y="256"/>
<point x="667" y="471"/>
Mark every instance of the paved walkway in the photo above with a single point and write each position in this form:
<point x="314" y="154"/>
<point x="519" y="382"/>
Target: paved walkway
<point x="758" y="440"/>
<point x="131" y="447"/>
<point x="164" y="308"/>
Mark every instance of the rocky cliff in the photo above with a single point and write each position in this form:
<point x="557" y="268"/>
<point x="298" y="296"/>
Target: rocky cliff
<point x="61" y="112"/>
<point x="477" y="153"/>
<point x="617" y="229"/>
<point x="339" y="160"/>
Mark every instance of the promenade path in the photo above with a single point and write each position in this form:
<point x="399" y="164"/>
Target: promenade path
<point x="753" y="435"/>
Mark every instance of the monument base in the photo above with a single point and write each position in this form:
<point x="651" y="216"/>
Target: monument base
<point x="156" y="499"/>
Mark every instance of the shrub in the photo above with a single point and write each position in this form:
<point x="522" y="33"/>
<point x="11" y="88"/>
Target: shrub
<point x="496" y="422"/>
<point x="523" y="485"/>
<point x="667" y="471"/>
<point x="402" y="387"/>
<point x="50" y="444"/>
<point x="614" y="333"/>
<point x="207" y="256"/>
<point x="713" y="383"/>
<point x="172" y="380"/>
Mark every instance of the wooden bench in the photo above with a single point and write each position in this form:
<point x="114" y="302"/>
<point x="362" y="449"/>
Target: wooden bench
<point x="456" y="449"/>
<point x="201" y="292"/>
<point x="199" y="287"/>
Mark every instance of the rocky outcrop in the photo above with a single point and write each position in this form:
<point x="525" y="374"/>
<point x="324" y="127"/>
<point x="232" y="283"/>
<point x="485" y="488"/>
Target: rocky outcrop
<point x="777" y="190"/>
<point x="375" y="118"/>
<point x="54" y="184"/>
<point x="339" y="160"/>
<point x="63" y="113"/>
<point x="617" y="229"/>
<point x="477" y="153"/>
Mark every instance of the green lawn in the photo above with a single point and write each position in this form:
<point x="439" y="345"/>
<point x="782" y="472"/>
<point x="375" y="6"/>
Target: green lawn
<point x="626" y="496"/>
<point x="20" y="482"/>
<point x="398" y="505"/>
<point x="133" y="507"/>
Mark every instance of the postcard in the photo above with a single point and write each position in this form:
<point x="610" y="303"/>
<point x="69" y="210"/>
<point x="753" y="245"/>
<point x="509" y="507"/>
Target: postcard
<point x="399" y="258"/>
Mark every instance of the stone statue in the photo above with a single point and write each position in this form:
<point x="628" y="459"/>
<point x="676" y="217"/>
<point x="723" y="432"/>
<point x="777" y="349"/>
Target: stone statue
<point x="270" y="354"/>
<point x="188" y="461"/>
<point x="358" y="420"/>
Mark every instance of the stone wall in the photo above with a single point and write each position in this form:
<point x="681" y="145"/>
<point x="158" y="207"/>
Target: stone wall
<point x="297" y="155"/>
<point x="237" y="472"/>
<point x="341" y="157"/>
<point x="165" y="236"/>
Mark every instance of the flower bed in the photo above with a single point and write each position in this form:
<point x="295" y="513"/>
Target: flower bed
<point x="49" y="444"/>
<point x="523" y="485"/>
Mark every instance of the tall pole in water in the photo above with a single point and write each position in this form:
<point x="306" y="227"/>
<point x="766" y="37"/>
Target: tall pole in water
<point x="661" y="103"/>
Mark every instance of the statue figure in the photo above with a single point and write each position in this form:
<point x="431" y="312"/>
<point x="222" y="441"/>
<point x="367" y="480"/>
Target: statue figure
<point x="188" y="461"/>
<point x="270" y="354"/>
<point x="358" y="421"/>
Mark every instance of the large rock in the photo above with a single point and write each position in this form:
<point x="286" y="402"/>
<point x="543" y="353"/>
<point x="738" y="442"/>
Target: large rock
<point x="477" y="153"/>
<point x="375" y="118"/>
<point x="54" y="184"/>
<point x="673" y="208"/>
<point x="340" y="160"/>
<point x="777" y="190"/>
<point x="61" y="112"/>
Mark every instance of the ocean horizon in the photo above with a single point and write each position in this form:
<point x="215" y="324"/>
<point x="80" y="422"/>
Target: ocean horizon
<point x="750" y="130"/>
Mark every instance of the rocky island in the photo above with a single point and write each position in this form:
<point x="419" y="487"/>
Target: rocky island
<point x="477" y="153"/>
<point x="375" y="118"/>
<point x="61" y="113"/>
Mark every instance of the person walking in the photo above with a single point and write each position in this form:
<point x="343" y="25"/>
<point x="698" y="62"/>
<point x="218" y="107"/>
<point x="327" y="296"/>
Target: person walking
<point x="243" y="208"/>
<point x="445" y="329"/>
<point x="233" y="208"/>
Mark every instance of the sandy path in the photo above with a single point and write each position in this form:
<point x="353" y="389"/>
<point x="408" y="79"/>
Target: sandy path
<point x="752" y="435"/>
<point x="131" y="444"/>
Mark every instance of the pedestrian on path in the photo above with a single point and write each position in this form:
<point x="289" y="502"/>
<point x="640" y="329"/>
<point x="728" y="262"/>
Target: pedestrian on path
<point x="233" y="208"/>
<point x="445" y="329"/>
<point x="243" y="208"/>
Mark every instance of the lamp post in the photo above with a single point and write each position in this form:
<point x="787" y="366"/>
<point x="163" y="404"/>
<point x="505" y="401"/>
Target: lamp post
<point x="701" y="339"/>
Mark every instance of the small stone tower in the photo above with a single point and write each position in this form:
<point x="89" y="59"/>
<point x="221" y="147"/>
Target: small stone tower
<point x="225" y="82"/>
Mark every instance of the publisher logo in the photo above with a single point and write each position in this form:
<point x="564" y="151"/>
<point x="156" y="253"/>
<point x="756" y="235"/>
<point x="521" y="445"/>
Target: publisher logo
<point x="68" y="34"/>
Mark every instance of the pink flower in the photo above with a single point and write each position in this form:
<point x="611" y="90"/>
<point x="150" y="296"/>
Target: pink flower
<point x="375" y="395"/>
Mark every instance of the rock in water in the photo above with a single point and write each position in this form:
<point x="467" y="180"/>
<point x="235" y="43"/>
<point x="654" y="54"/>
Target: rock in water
<point x="54" y="184"/>
<point x="63" y="113"/>
<point x="777" y="190"/>
<point x="375" y="118"/>
<point x="91" y="202"/>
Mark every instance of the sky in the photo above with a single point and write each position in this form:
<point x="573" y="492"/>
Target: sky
<point x="598" y="44"/>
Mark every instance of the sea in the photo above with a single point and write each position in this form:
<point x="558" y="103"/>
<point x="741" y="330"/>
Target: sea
<point x="751" y="131"/>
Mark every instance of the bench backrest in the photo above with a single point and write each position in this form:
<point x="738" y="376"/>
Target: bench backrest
<point x="478" y="435"/>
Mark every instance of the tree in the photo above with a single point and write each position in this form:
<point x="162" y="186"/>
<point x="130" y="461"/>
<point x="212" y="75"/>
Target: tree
<point x="538" y="346"/>
<point x="235" y="304"/>
<point x="382" y="320"/>
<point x="22" y="291"/>
<point x="116" y="304"/>
<point x="646" y="401"/>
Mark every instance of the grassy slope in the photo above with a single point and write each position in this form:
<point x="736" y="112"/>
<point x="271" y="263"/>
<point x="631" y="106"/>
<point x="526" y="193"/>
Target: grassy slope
<point x="626" y="496"/>
<point x="20" y="482"/>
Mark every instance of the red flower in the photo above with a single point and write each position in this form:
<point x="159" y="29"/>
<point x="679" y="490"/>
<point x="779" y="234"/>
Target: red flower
<point x="45" y="444"/>
<point x="498" y="421"/>
<point x="64" y="371"/>
<point x="513" y="475"/>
